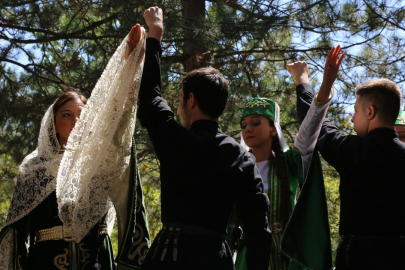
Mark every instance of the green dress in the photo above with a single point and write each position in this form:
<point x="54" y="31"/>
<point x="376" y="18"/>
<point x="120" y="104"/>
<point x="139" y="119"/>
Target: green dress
<point x="295" y="246"/>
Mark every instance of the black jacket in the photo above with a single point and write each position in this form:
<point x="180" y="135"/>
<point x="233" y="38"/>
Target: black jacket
<point x="203" y="172"/>
<point x="372" y="179"/>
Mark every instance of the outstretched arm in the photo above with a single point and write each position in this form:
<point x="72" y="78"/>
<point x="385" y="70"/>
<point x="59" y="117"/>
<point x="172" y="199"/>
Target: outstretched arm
<point x="307" y="136"/>
<point x="300" y="73"/>
<point x="151" y="101"/>
<point x="154" y="112"/>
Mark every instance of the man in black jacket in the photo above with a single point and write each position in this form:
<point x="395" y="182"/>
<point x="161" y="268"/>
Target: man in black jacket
<point x="372" y="212"/>
<point x="203" y="171"/>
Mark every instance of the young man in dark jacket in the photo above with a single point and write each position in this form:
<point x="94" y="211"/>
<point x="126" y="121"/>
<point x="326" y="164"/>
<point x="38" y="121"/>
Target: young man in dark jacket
<point x="203" y="171"/>
<point x="372" y="212"/>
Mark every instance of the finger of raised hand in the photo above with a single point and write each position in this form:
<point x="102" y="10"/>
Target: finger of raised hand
<point x="336" y="54"/>
<point x="340" y="59"/>
<point x="330" y="54"/>
<point x="133" y="34"/>
<point x="137" y="34"/>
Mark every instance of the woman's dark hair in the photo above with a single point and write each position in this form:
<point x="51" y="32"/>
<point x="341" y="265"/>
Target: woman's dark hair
<point x="71" y="94"/>
<point x="210" y="89"/>
<point x="281" y="168"/>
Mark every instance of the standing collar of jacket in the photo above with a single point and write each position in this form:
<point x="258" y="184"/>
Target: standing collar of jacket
<point x="386" y="132"/>
<point x="205" y="124"/>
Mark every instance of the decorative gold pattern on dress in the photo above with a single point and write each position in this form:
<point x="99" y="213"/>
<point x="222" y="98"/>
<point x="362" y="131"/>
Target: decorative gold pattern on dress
<point x="141" y="245"/>
<point x="60" y="261"/>
<point x="254" y="103"/>
<point x="84" y="255"/>
<point x="18" y="262"/>
<point x="141" y="251"/>
<point x="138" y="238"/>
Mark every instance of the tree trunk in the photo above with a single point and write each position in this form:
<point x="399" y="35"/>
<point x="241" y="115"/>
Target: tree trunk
<point x="194" y="46"/>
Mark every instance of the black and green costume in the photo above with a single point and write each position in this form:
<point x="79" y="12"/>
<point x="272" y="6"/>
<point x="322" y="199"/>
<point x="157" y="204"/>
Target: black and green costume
<point x="304" y="241"/>
<point x="95" y="248"/>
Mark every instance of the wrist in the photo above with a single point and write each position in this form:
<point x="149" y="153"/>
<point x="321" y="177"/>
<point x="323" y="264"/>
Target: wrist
<point x="324" y="92"/>
<point x="155" y="31"/>
<point x="301" y="79"/>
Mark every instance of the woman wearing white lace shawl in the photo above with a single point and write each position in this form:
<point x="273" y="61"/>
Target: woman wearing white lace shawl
<point x="65" y="189"/>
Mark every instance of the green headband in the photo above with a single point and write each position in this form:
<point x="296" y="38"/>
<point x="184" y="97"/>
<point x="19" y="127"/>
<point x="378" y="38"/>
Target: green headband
<point x="260" y="106"/>
<point x="400" y="119"/>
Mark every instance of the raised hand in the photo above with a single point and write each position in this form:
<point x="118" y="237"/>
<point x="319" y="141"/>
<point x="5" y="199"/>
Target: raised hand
<point x="330" y="73"/>
<point x="154" y="19"/>
<point x="299" y="71"/>
<point x="332" y="65"/>
<point x="133" y="39"/>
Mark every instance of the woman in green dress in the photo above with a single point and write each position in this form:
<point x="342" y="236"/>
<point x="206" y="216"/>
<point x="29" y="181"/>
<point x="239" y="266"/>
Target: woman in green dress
<point x="68" y="190"/>
<point x="284" y="172"/>
<point x="261" y="135"/>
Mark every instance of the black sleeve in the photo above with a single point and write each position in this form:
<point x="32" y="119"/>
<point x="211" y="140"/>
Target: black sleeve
<point x="305" y="95"/>
<point x="336" y="147"/>
<point x="154" y="112"/>
<point x="151" y="84"/>
<point x="252" y="206"/>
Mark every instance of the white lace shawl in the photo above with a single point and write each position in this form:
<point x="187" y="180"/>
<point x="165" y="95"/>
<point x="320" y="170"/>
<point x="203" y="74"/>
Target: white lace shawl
<point x="87" y="176"/>
<point x="99" y="147"/>
<point x="36" y="177"/>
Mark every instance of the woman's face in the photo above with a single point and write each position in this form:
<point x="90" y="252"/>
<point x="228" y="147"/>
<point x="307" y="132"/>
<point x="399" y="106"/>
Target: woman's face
<point x="257" y="132"/>
<point x="65" y="119"/>
<point x="401" y="132"/>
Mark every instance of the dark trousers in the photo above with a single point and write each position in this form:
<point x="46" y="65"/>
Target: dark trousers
<point x="356" y="253"/>
<point x="194" y="252"/>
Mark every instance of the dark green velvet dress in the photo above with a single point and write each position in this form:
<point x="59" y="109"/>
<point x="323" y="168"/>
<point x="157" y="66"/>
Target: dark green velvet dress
<point x="304" y="242"/>
<point x="94" y="249"/>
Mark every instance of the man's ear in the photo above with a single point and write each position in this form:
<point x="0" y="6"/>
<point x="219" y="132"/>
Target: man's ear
<point x="191" y="100"/>
<point x="371" y="113"/>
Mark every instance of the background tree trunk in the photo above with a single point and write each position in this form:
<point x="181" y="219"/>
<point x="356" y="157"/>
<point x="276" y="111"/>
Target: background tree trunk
<point x="194" y="49"/>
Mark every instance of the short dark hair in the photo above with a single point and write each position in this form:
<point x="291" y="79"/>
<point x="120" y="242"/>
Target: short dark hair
<point x="384" y="95"/>
<point x="210" y="89"/>
<point x="71" y="94"/>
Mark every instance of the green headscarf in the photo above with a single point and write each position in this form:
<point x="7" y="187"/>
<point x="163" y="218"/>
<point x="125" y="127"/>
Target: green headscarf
<point x="269" y="109"/>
